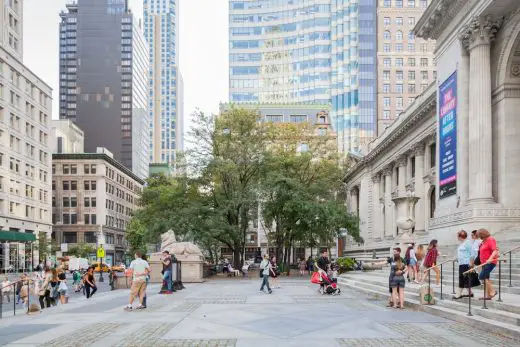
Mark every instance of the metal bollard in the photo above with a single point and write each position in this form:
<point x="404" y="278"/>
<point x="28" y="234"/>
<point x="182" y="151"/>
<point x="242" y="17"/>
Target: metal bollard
<point x="453" y="277"/>
<point x="499" y="281"/>
<point x="28" y="295"/>
<point x="484" y="305"/>
<point x="14" y="299"/>
<point x="441" y="281"/>
<point x="469" y="305"/>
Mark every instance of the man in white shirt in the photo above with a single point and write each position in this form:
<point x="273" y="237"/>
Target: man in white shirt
<point x="140" y="270"/>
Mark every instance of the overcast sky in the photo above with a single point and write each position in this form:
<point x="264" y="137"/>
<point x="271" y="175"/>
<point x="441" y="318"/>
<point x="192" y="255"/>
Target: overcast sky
<point x="203" y="48"/>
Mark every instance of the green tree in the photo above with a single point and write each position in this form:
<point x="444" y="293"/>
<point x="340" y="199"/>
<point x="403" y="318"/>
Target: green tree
<point x="82" y="250"/>
<point x="136" y="235"/>
<point x="45" y="246"/>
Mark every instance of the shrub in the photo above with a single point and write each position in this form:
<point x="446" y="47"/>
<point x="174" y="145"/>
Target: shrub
<point x="345" y="264"/>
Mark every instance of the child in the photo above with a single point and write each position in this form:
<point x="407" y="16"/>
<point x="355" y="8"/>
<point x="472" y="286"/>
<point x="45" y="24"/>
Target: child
<point x="397" y="281"/>
<point x="431" y="260"/>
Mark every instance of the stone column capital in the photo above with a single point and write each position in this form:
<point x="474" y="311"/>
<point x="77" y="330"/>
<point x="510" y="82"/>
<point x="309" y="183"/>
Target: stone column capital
<point x="376" y="178"/>
<point x="388" y="170"/>
<point x="401" y="161"/>
<point x="418" y="149"/>
<point x="354" y="191"/>
<point x="481" y="30"/>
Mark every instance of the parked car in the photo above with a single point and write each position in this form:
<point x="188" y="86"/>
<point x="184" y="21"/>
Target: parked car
<point x="105" y="267"/>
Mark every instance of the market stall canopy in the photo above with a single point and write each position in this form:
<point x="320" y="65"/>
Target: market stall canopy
<point x="16" y="236"/>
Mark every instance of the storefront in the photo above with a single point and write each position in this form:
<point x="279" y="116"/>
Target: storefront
<point x="17" y="251"/>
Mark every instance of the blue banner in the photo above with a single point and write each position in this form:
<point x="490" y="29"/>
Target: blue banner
<point x="448" y="137"/>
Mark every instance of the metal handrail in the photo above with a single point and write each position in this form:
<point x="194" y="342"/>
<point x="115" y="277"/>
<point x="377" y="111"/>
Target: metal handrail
<point x="510" y="263"/>
<point x="437" y="265"/>
<point x="511" y="250"/>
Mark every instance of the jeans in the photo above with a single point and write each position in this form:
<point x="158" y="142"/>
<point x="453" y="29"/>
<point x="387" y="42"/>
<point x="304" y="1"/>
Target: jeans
<point x="88" y="287"/>
<point x="265" y="282"/>
<point x="47" y="298"/>
<point x="167" y="277"/>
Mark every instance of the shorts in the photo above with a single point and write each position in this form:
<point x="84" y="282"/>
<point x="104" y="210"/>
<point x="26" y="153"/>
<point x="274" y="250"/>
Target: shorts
<point x="413" y="262"/>
<point x="397" y="282"/>
<point x="138" y="288"/>
<point x="63" y="292"/>
<point x="486" y="271"/>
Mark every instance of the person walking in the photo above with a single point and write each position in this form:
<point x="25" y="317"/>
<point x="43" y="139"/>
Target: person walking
<point x="274" y="273"/>
<point x="303" y="266"/>
<point x="310" y="265"/>
<point x="419" y="254"/>
<point x="411" y="262"/>
<point x="145" y="258"/>
<point x="166" y="261"/>
<point x="488" y="255"/>
<point x="54" y="283"/>
<point x="62" y="286"/>
<point x="475" y="246"/>
<point x="44" y="292"/>
<point x="464" y="259"/>
<point x="430" y="261"/>
<point x="5" y="290"/>
<point x="266" y="268"/>
<point x="90" y="282"/>
<point x="140" y="269"/>
<point x="323" y="267"/>
<point x="397" y="281"/>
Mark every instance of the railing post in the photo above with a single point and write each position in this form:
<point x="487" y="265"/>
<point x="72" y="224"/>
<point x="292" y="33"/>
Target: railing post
<point x="14" y="299"/>
<point x="429" y="287"/>
<point x="453" y="277"/>
<point x="484" y="305"/>
<point x="441" y="281"/>
<point x="28" y="295"/>
<point x="510" y="284"/>
<point x="499" y="281"/>
<point x="469" y="304"/>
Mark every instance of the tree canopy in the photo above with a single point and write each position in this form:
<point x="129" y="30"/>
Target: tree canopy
<point x="242" y="170"/>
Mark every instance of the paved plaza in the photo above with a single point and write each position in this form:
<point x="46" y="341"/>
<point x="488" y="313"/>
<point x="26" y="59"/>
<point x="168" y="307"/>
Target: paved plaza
<point x="232" y="312"/>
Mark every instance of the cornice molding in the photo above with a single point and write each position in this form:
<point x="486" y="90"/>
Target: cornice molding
<point x="437" y="17"/>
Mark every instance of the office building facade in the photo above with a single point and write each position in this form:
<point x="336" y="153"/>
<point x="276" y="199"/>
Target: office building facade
<point x="161" y="30"/>
<point x="25" y="159"/>
<point x="104" y="79"/>
<point x="93" y="197"/>
<point x="319" y="51"/>
<point x="405" y="64"/>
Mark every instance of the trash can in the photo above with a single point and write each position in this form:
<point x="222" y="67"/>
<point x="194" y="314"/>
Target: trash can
<point x="176" y="274"/>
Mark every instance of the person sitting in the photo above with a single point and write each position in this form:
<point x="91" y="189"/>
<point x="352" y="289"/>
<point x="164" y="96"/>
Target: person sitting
<point x="232" y="271"/>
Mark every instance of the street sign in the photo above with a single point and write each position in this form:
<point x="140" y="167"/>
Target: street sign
<point x="100" y="252"/>
<point x="64" y="247"/>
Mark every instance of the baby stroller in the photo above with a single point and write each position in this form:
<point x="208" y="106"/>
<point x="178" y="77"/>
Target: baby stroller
<point x="327" y="284"/>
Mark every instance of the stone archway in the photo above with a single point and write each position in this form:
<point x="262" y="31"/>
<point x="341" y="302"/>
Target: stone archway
<point x="507" y="52"/>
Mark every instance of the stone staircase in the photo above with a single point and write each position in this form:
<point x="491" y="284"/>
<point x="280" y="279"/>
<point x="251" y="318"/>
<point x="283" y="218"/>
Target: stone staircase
<point x="499" y="317"/>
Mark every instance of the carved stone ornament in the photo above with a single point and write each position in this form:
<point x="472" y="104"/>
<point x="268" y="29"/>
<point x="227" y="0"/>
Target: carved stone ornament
<point x="480" y="30"/>
<point x="418" y="149"/>
<point x="388" y="170"/>
<point x="376" y="178"/>
<point x="515" y="70"/>
<point x="401" y="161"/>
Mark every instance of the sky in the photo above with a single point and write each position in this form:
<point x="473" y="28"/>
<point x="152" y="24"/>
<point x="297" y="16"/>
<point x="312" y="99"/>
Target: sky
<point x="203" y="51"/>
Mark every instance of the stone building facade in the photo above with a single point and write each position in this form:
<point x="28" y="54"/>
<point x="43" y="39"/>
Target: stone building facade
<point x="25" y="159"/>
<point x="476" y="127"/>
<point x="93" y="200"/>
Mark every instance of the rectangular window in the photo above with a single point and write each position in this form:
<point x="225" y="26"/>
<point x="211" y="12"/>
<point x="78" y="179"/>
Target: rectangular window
<point x="90" y="237"/>
<point x="87" y="185"/>
<point x="399" y="62"/>
<point x="73" y="218"/>
<point x="66" y="169"/>
<point x="86" y="169"/>
<point x="74" y="169"/>
<point x="411" y="75"/>
<point x="387" y="62"/>
<point x="93" y="219"/>
<point x="93" y="169"/>
<point x="66" y="218"/>
<point x="73" y="185"/>
<point x="433" y="153"/>
<point x="387" y="3"/>
<point x="398" y="47"/>
<point x="411" y="61"/>
<point x="70" y="237"/>
<point x="411" y="21"/>
<point x="386" y="101"/>
<point x="66" y="185"/>
<point x="86" y="202"/>
<point x="399" y="3"/>
<point x="386" y="88"/>
<point x="386" y="114"/>
<point x="424" y="62"/>
<point x="386" y="47"/>
<point x="73" y="201"/>
<point x="411" y="47"/>
<point x="399" y="20"/>
<point x="386" y="21"/>
<point x="399" y="75"/>
<point x="424" y="75"/>
<point x="399" y="88"/>
<point x="386" y="75"/>
<point x="412" y="164"/>
<point x="92" y="185"/>
<point x="86" y="218"/>
<point x="411" y="3"/>
<point x="411" y="88"/>
<point x="93" y="202"/>
<point x="66" y="202"/>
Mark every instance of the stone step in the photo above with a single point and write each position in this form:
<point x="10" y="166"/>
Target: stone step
<point x="501" y="322"/>
<point x="510" y="303"/>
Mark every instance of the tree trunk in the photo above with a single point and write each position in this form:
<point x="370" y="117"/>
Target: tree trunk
<point x="236" y="258"/>
<point x="288" y="263"/>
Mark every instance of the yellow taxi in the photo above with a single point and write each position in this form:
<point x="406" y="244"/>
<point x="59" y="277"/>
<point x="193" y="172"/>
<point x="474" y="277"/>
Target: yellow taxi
<point x="104" y="267"/>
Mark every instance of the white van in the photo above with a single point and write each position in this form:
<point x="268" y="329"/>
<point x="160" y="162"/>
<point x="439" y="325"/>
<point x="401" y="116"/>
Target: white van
<point x="78" y="264"/>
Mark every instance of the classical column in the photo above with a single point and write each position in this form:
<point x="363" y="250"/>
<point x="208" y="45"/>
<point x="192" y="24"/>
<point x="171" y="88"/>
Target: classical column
<point x="477" y="39"/>
<point x="389" y="206"/>
<point x="463" y="127"/>
<point x="376" y="207"/>
<point x="419" y="187"/>
<point x="354" y="201"/>
<point x="401" y="164"/>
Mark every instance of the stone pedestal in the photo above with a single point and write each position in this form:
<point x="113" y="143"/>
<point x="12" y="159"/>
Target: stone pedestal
<point x="191" y="268"/>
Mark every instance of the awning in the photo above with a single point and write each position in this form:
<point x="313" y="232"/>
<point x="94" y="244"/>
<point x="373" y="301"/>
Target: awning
<point x="16" y="236"/>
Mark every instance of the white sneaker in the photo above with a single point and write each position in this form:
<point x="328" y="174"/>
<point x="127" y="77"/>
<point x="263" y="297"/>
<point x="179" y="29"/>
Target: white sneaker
<point x="128" y="308"/>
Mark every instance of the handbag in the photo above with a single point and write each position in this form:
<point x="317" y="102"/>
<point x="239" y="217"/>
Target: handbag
<point x="477" y="258"/>
<point x="62" y="286"/>
<point x="316" y="278"/>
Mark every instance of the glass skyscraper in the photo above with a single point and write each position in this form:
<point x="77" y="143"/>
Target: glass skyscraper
<point x="103" y="79"/>
<point x="165" y="83"/>
<point x="308" y="51"/>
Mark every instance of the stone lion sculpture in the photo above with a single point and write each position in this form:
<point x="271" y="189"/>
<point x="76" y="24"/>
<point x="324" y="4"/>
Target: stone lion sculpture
<point x="169" y="243"/>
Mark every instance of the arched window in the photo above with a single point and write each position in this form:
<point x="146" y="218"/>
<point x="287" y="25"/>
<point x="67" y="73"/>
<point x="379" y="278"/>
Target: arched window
<point x="386" y="35"/>
<point x="432" y="202"/>
<point x="399" y="35"/>
<point x="411" y="36"/>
